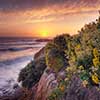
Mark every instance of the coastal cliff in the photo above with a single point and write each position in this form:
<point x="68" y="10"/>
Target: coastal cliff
<point x="67" y="68"/>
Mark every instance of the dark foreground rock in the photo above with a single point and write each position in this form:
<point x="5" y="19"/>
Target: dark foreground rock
<point x="13" y="94"/>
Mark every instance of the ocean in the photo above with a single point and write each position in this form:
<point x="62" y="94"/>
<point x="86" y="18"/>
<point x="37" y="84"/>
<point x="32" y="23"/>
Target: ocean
<point x="15" y="54"/>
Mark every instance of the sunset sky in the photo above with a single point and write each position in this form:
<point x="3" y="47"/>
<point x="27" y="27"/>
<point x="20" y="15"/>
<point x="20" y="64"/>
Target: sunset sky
<point x="45" y="18"/>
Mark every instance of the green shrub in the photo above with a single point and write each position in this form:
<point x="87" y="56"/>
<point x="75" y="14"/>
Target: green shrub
<point x="56" y="94"/>
<point x="61" y="41"/>
<point x="31" y="74"/>
<point x="85" y="61"/>
<point x="55" y="59"/>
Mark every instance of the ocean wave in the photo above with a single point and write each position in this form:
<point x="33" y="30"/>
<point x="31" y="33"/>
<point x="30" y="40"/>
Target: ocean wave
<point x="18" y="43"/>
<point x="20" y="48"/>
<point x="16" y="49"/>
<point x="15" y="60"/>
<point x="15" y="54"/>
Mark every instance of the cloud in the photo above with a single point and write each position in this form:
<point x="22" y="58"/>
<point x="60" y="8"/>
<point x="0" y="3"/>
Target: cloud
<point x="36" y="11"/>
<point x="22" y="5"/>
<point x="12" y="5"/>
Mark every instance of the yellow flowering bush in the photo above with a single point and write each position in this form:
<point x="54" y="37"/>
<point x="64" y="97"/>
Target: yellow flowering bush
<point x="95" y="78"/>
<point x="96" y="59"/>
<point x="83" y="56"/>
<point x="95" y="53"/>
<point x="96" y="62"/>
<point x="81" y="67"/>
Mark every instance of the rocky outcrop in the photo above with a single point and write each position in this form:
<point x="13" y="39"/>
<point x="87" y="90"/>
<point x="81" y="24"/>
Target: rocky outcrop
<point x="45" y="86"/>
<point x="75" y="90"/>
<point x="48" y="82"/>
<point x="14" y="94"/>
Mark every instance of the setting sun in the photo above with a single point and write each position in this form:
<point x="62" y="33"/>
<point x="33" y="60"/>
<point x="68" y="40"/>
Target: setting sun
<point x="44" y="33"/>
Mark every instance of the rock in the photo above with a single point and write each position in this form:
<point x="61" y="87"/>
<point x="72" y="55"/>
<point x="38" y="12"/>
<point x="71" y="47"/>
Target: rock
<point x="15" y="94"/>
<point x="45" y="86"/>
<point x="15" y="86"/>
<point x="43" y="40"/>
<point x="48" y="82"/>
<point x="75" y="90"/>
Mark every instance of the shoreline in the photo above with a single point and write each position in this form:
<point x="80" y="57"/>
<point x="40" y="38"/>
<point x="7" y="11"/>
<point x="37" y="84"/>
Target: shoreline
<point x="7" y="83"/>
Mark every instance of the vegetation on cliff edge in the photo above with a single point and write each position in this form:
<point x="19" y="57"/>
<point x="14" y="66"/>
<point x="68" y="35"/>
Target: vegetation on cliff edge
<point x="78" y="55"/>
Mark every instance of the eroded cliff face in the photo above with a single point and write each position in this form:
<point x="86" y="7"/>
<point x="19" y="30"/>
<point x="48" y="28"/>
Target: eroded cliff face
<point x="45" y="86"/>
<point x="75" y="90"/>
<point x="48" y="82"/>
<point x="70" y="67"/>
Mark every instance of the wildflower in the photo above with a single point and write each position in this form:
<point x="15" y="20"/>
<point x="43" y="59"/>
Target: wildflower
<point x="66" y="79"/>
<point x="81" y="67"/>
<point x="85" y="83"/>
<point x="62" y="87"/>
<point x="96" y="62"/>
<point x="95" y="78"/>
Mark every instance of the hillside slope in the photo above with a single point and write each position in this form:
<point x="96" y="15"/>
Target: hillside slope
<point x="70" y="69"/>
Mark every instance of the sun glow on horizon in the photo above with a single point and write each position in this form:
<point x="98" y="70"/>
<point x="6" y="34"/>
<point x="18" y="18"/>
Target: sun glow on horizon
<point x="44" y="33"/>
